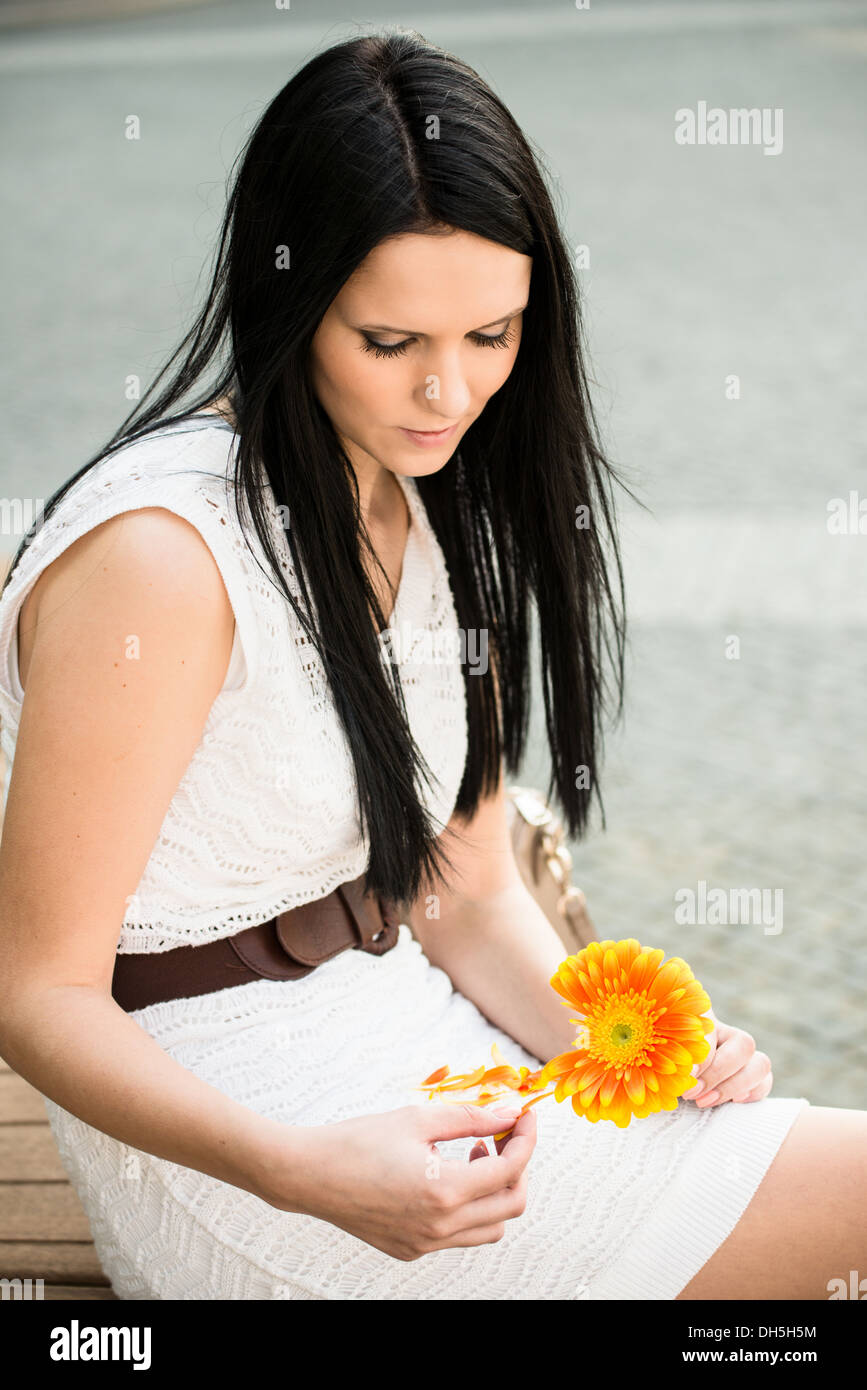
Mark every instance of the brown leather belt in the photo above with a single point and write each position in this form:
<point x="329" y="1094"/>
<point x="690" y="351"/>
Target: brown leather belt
<point x="285" y="948"/>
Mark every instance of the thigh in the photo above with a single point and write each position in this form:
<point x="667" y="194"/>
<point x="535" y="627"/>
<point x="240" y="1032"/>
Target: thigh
<point x="807" y="1221"/>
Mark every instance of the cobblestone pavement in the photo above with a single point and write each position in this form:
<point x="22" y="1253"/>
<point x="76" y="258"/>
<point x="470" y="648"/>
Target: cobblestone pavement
<point x="704" y="262"/>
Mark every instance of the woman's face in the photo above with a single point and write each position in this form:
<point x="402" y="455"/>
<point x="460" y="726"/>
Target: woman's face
<point x="451" y="308"/>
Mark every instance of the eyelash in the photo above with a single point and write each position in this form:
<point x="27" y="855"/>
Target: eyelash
<point x="395" y="349"/>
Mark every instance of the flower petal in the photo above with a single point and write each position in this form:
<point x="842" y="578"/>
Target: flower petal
<point x="674" y="1052"/>
<point x="592" y="1071"/>
<point x="609" y="1088"/>
<point x="643" y="969"/>
<point x="560" y="1064"/>
<point x="435" y="1076"/>
<point x="633" y="1082"/>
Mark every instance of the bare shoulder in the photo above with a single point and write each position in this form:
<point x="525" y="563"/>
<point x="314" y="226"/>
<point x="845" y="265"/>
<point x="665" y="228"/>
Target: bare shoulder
<point x="128" y="650"/>
<point x="150" y="554"/>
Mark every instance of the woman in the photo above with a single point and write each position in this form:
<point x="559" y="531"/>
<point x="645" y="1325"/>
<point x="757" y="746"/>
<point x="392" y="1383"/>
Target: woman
<point x="399" y="442"/>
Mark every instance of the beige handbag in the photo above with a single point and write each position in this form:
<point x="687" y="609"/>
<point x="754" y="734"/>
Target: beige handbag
<point x="545" y="865"/>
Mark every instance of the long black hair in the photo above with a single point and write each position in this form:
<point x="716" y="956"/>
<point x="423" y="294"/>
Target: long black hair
<point x="340" y="160"/>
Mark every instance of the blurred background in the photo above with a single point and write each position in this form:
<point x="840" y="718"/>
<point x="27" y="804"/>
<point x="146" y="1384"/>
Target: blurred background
<point x="724" y="293"/>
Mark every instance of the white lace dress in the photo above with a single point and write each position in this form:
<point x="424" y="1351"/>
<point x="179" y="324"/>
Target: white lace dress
<point x="264" y="819"/>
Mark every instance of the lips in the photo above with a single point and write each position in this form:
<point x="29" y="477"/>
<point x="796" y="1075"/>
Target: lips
<point x="428" y="437"/>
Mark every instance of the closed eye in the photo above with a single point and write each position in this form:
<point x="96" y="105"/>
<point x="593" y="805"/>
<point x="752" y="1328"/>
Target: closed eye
<point x="396" y="349"/>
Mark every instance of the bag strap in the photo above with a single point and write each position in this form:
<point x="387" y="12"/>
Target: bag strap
<point x="550" y="858"/>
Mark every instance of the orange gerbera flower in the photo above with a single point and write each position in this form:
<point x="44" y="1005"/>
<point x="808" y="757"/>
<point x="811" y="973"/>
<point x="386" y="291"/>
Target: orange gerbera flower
<point x="643" y="1029"/>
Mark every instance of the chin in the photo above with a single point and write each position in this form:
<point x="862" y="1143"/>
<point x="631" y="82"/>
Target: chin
<point x="413" y="462"/>
<point x="420" y="468"/>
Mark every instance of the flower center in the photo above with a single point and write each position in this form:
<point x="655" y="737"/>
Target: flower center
<point x="620" y="1031"/>
<point x="621" y="1034"/>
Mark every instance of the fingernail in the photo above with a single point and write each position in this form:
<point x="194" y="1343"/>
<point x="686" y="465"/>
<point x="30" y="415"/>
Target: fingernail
<point x="511" y="1114"/>
<point x="694" y="1091"/>
<point x="709" y="1098"/>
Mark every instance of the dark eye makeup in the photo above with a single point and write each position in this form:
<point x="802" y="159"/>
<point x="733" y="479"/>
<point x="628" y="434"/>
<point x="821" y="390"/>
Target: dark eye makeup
<point x="395" y="349"/>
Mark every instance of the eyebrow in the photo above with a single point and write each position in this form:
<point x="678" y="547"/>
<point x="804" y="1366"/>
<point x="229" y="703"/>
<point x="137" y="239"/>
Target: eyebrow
<point x="383" y="328"/>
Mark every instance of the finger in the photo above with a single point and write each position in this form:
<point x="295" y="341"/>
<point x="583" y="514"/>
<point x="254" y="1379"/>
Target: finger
<point x="758" y="1092"/>
<point x="740" y="1083"/>
<point x="695" y="1090"/>
<point x="484" y="1235"/>
<point x="523" y="1130"/>
<point x="713" y="1039"/>
<point x="501" y="1144"/>
<point x="730" y="1057"/>
<point x="735" y="1083"/>
<point x="699" y="1068"/>
<point x="490" y="1211"/>
<point x="443" y="1122"/>
<point x="700" y="1073"/>
<point x="487" y="1175"/>
<point x="757" y="1079"/>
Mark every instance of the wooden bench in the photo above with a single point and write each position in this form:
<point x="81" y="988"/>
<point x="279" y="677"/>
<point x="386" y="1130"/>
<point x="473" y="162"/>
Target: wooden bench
<point x="44" y="1231"/>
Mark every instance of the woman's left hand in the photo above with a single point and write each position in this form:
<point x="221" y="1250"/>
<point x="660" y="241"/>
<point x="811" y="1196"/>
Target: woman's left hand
<point x="733" y="1069"/>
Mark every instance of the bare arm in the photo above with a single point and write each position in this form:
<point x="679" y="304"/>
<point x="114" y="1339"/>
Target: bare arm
<point x="492" y="938"/>
<point x="103" y="743"/>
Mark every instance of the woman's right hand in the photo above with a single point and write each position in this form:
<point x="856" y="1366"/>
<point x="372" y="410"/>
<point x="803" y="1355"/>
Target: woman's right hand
<point x="381" y="1178"/>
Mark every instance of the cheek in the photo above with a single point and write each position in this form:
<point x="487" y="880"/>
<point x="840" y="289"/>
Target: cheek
<point x="495" y="373"/>
<point x="372" y="388"/>
<point x="348" y="383"/>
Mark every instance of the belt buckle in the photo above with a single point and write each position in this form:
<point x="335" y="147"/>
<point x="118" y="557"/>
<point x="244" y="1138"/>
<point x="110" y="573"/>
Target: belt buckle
<point x="387" y="935"/>
<point x="359" y="902"/>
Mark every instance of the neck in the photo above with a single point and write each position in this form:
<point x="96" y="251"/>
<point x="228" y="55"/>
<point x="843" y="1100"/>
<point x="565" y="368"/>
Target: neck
<point x="378" y="488"/>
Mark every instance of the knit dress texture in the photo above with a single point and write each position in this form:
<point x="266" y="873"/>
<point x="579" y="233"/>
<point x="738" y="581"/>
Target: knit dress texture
<point x="265" y="819"/>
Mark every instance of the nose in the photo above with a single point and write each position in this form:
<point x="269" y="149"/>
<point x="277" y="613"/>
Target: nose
<point x="444" y="388"/>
